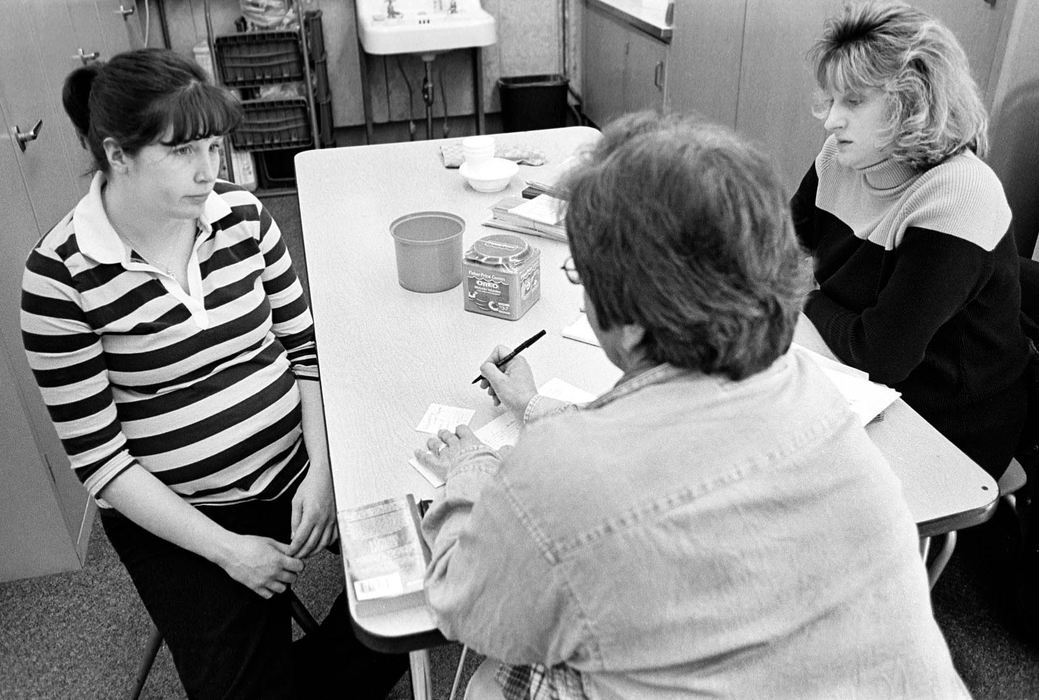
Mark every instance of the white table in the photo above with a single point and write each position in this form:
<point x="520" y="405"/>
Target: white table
<point x="387" y="353"/>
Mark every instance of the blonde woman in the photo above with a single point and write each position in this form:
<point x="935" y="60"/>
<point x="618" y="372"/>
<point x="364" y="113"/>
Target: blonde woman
<point x="911" y="233"/>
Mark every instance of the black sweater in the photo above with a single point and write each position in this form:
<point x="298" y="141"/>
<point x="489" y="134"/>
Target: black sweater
<point x="918" y="278"/>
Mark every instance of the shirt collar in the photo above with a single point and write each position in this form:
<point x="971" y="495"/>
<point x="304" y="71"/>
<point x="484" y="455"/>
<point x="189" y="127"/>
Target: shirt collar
<point x="99" y="241"/>
<point x="888" y="174"/>
<point x="630" y="383"/>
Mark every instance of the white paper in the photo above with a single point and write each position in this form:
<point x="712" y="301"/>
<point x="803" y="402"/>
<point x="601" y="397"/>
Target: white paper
<point x="580" y="330"/>
<point x="547" y="178"/>
<point x="865" y="398"/>
<point x="556" y="388"/>
<point x="428" y="474"/>
<point x="544" y="208"/>
<point x="503" y="430"/>
<point x="830" y="364"/>
<point x="440" y="417"/>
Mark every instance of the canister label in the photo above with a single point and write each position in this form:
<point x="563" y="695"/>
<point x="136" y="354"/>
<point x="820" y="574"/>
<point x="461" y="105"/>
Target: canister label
<point x="488" y="293"/>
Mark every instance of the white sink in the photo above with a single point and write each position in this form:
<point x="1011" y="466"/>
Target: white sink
<point x="423" y="26"/>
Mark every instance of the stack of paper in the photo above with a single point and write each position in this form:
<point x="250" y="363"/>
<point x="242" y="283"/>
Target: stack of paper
<point x="547" y="180"/>
<point x="865" y="398"/>
<point x="541" y="216"/>
<point x="503" y="430"/>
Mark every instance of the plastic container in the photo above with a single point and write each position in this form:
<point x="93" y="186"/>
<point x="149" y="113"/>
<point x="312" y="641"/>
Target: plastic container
<point x="477" y="150"/>
<point x="428" y="245"/>
<point x="273" y="125"/>
<point x="533" y="102"/>
<point x="276" y="169"/>
<point x="502" y="276"/>
<point x="252" y="58"/>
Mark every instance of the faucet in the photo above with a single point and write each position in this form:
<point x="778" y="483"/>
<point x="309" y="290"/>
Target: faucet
<point x="391" y="12"/>
<point x="454" y="7"/>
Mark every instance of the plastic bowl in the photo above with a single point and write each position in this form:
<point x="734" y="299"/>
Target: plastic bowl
<point x="492" y="176"/>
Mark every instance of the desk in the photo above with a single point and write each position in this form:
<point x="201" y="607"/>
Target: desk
<point x="387" y="353"/>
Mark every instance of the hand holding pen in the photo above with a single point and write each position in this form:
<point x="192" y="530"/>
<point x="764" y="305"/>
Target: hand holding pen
<point x="501" y="362"/>
<point x="513" y="387"/>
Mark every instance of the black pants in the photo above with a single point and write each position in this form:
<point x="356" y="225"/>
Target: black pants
<point x="227" y="641"/>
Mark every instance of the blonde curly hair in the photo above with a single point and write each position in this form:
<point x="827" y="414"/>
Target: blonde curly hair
<point x="934" y="106"/>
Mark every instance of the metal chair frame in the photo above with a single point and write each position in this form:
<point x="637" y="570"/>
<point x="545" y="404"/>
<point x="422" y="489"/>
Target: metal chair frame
<point x="299" y="612"/>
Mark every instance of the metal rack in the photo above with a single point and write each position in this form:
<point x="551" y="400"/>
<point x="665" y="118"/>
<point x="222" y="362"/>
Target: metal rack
<point x="258" y="79"/>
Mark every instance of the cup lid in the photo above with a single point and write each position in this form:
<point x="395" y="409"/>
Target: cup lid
<point x="499" y="250"/>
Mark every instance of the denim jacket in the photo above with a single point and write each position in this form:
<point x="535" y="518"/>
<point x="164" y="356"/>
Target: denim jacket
<point x="685" y="535"/>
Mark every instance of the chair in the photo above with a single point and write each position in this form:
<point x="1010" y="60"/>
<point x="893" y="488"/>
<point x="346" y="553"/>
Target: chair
<point x="299" y="612"/>
<point x="482" y="685"/>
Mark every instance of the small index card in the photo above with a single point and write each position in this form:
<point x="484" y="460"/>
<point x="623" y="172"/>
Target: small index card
<point x="440" y="417"/>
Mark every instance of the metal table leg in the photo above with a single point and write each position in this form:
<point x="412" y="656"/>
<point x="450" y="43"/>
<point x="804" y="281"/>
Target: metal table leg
<point x="421" y="676"/>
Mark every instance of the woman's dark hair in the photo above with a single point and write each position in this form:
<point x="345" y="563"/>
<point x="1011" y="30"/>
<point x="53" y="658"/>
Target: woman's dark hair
<point x="138" y="95"/>
<point x="678" y="226"/>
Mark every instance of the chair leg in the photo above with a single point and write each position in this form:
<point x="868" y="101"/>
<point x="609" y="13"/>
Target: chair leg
<point x="150" y="652"/>
<point x="300" y="613"/>
<point x="946" y="542"/>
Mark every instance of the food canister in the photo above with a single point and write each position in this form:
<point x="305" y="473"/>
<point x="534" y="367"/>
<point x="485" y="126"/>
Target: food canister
<point x="501" y="276"/>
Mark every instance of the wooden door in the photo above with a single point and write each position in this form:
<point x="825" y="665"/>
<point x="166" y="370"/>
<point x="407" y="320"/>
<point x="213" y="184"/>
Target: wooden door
<point x="776" y="85"/>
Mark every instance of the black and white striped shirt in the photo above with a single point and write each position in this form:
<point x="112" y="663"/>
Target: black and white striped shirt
<point x="196" y="386"/>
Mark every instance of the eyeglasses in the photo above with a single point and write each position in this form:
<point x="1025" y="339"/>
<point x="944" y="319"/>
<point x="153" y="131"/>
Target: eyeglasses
<point x="571" y="271"/>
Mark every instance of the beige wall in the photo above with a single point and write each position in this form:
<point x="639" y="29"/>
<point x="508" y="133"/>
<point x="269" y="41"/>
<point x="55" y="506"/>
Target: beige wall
<point x="529" y="42"/>
<point x="1014" y="133"/>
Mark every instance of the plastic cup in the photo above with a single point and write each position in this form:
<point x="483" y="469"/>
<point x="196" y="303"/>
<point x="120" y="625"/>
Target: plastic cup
<point x="429" y="250"/>
<point x="477" y="150"/>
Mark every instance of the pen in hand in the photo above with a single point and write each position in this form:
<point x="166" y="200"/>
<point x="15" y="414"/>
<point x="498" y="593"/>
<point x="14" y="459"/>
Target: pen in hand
<point x="519" y="348"/>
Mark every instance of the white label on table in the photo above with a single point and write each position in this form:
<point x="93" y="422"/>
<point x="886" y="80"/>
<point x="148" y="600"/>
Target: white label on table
<point x="440" y="417"/>
<point x="379" y="587"/>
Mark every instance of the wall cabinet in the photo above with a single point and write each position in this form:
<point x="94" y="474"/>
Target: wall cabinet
<point x="742" y="63"/>
<point x="45" y="514"/>
<point x="624" y="69"/>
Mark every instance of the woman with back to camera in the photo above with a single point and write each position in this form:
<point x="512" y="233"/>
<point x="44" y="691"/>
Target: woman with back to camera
<point x="174" y="348"/>
<point x="912" y="237"/>
<point x="717" y="524"/>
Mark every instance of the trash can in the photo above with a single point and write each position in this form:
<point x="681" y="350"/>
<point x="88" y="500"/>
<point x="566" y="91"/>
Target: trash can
<point x="533" y="102"/>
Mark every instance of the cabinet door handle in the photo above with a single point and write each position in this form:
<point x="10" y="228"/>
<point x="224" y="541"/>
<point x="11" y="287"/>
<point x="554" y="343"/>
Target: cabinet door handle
<point x="86" y="57"/>
<point x="658" y="75"/>
<point x="126" y="11"/>
<point x="24" y="137"/>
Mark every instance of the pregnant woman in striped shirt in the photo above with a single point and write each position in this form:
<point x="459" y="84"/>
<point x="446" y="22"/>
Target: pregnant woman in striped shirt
<point x="175" y="350"/>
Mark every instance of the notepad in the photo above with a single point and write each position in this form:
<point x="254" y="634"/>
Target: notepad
<point x="505" y="429"/>
<point x="581" y="331"/>
<point x="866" y="399"/>
<point x="440" y="417"/>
